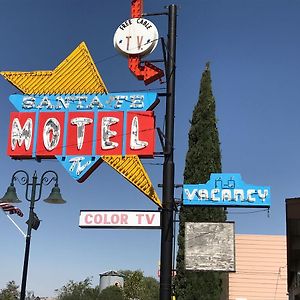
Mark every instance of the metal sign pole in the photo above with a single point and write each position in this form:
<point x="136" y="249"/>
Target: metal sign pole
<point x="168" y="168"/>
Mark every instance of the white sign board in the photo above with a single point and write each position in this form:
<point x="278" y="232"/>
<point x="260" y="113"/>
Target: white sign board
<point x="136" y="36"/>
<point x="209" y="247"/>
<point x="119" y="219"/>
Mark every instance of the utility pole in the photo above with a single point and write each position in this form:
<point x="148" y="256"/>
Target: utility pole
<point x="166" y="257"/>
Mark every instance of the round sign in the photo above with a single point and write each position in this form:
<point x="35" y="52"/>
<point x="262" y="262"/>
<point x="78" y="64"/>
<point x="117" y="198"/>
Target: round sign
<point x="136" y="36"/>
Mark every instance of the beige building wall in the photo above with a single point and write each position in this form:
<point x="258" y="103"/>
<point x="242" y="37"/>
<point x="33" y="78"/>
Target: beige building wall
<point x="261" y="268"/>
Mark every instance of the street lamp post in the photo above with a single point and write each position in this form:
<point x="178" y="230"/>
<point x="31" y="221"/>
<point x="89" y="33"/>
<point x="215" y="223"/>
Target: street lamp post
<point x="32" y="195"/>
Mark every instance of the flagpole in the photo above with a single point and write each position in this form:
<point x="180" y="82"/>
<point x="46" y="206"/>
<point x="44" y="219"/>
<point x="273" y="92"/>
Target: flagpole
<point x="16" y="225"/>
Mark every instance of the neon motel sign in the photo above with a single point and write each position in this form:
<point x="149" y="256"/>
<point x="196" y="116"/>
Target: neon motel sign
<point x="78" y="128"/>
<point x="226" y="190"/>
<point x="69" y="115"/>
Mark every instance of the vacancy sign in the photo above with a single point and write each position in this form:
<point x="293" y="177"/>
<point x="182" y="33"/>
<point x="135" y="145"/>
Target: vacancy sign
<point x="119" y="219"/>
<point x="226" y="190"/>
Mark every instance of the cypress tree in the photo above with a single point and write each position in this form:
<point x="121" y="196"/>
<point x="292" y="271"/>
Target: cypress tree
<point x="203" y="158"/>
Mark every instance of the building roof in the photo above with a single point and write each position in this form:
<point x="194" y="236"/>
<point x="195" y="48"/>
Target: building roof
<point x="112" y="273"/>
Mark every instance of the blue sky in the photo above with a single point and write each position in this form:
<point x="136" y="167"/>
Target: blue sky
<point x="253" y="47"/>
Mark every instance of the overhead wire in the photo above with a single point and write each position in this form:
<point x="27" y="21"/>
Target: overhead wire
<point x="248" y="212"/>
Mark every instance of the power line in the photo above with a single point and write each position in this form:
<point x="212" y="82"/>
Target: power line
<point x="249" y="212"/>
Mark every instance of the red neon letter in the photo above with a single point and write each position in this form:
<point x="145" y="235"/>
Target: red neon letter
<point x="21" y="134"/>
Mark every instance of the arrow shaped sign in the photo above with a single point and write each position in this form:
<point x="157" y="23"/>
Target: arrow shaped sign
<point x="135" y="38"/>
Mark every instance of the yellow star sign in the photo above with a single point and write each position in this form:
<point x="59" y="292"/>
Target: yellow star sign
<point x="77" y="74"/>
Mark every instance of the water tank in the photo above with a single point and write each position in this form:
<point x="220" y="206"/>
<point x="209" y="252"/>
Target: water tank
<point x="111" y="278"/>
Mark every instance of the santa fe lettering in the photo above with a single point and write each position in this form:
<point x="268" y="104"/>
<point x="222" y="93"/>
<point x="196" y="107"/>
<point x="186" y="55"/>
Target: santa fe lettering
<point x="82" y="102"/>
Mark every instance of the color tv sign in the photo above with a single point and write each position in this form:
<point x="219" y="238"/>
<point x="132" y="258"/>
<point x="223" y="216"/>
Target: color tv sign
<point x="119" y="219"/>
<point x="69" y="115"/>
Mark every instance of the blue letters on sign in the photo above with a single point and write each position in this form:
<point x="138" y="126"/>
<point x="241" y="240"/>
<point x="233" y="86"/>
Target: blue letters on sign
<point x="226" y="190"/>
<point x="85" y="102"/>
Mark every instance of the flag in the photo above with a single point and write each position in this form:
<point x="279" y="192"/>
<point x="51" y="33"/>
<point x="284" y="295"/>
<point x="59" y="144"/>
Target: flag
<point x="7" y="207"/>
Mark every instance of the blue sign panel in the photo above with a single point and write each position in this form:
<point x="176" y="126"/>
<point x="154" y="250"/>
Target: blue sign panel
<point x="226" y="190"/>
<point x="85" y="102"/>
<point x="78" y="129"/>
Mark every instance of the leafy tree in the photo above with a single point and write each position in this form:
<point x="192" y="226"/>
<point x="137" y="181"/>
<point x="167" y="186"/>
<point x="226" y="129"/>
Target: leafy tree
<point x="203" y="158"/>
<point x="112" y="293"/>
<point x="10" y="292"/>
<point x="81" y="290"/>
<point x="136" y="286"/>
<point x="150" y="289"/>
<point x="132" y="284"/>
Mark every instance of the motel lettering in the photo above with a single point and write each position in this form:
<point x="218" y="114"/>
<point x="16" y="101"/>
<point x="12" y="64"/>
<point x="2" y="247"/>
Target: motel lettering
<point x="46" y="134"/>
